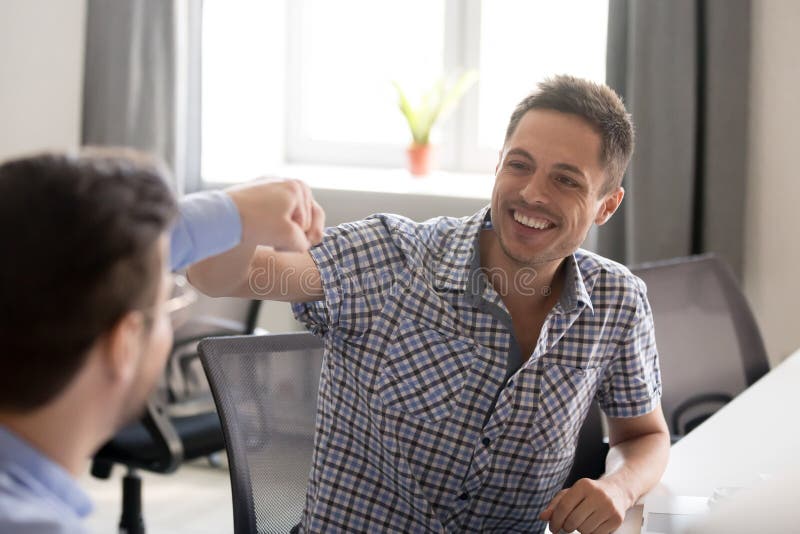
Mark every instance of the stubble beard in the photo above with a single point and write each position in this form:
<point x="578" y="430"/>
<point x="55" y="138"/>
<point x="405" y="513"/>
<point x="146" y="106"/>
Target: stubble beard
<point x="532" y="261"/>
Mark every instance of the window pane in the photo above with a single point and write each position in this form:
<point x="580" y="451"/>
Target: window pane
<point x="242" y="88"/>
<point x="342" y="56"/>
<point x="354" y="49"/>
<point x="523" y="42"/>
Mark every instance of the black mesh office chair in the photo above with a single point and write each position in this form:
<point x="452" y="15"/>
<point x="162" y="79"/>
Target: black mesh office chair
<point x="265" y="388"/>
<point x="708" y="341"/>
<point x="179" y="423"/>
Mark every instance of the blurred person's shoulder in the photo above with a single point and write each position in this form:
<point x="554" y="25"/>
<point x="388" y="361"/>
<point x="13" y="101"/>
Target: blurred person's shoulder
<point x="25" y="511"/>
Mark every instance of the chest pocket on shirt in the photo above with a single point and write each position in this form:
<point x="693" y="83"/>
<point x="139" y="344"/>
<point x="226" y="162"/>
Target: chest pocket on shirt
<point x="424" y="371"/>
<point x="565" y="394"/>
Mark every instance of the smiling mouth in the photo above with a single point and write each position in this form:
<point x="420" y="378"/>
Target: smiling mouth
<point x="532" y="222"/>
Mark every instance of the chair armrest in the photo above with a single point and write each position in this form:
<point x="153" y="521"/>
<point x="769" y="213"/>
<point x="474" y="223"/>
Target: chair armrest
<point x="681" y="428"/>
<point x="151" y="443"/>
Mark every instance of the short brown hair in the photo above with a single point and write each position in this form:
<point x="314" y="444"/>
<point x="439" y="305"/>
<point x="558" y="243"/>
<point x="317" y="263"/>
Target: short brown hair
<point x="595" y="103"/>
<point x="79" y="237"/>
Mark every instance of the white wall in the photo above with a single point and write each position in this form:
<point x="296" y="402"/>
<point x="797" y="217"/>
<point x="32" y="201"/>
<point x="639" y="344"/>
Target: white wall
<point x="772" y="237"/>
<point x="41" y="74"/>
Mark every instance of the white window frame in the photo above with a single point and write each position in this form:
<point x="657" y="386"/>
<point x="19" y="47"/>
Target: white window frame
<point x="301" y="149"/>
<point x="472" y="156"/>
<point x="459" y="150"/>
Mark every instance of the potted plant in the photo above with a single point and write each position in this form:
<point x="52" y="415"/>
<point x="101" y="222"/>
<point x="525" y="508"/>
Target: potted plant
<point x="434" y="105"/>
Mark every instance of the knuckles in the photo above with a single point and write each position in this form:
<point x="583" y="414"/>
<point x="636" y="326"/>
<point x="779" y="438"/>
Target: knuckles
<point x="600" y="500"/>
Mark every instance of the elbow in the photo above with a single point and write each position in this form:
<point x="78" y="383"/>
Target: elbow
<point x="217" y="284"/>
<point x="199" y="280"/>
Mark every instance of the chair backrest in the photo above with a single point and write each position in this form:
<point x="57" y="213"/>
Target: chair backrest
<point x="265" y="390"/>
<point x="184" y="388"/>
<point x="708" y="341"/>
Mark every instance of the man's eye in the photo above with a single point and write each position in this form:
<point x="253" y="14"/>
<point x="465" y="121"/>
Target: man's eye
<point x="517" y="165"/>
<point x="566" y="180"/>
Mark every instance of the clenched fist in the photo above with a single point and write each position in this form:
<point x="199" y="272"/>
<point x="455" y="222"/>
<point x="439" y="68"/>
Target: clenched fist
<point x="280" y="213"/>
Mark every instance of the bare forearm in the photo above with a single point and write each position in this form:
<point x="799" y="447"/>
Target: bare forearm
<point x="224" y="275"/>
<point x="636" y="465"/>
<point x="281" y="214"/>
<point x="264" y="274"/>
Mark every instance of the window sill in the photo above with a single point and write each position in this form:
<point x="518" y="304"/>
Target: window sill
<point x="382" y="180"/>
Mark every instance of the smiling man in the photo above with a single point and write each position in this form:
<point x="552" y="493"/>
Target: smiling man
<point x="462" y="355"/>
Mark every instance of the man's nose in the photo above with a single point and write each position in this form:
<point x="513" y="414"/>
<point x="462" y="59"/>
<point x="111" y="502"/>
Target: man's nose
<point x="536" y="189"/>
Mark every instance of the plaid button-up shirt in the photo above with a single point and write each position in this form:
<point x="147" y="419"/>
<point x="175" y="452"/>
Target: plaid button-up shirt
<point x="428" y="418"/>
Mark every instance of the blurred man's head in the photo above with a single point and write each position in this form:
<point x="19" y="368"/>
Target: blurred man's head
<point x="83" y="279"/>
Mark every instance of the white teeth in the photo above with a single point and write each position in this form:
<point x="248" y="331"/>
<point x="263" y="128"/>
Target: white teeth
<point x="539" y="224"/>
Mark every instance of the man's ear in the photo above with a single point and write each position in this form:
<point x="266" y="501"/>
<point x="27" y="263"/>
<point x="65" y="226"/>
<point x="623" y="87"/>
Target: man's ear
<point x="124" y="345"/>
<point x="499" y="161"/>
<point x="609" y="205"/>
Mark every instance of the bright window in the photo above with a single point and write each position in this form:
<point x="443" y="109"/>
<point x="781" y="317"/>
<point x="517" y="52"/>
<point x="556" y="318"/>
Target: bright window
<point x="347" y="62"/>
<point x="523" y="42"/>
<point x="310" y="81"/>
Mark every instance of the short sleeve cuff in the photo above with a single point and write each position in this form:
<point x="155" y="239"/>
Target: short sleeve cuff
<point x="632" y="408"/>
<point x="318" y="316"/>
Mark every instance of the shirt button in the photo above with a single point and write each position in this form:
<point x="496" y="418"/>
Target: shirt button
<point x="463" y="497"/>
<point x="486" y="441"/>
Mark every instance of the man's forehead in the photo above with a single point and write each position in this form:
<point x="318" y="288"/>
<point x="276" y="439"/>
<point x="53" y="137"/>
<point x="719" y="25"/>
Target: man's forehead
<point x="552" y="122"/>
<point x="563" y="135"/>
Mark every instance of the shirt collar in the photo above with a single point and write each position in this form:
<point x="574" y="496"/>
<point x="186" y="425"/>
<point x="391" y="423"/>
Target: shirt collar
<point x="454" y="269"/>
<point x="39" y="474"/>
<point x="574" y="291"/>
<point x="460" y="266"/>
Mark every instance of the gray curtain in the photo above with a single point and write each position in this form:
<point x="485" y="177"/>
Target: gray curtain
<point x="682" y="67"/>
<point x="141" y="80"/>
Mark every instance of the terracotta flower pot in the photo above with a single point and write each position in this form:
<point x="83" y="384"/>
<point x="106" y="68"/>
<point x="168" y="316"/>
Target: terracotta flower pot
<point x="419" y="159"/>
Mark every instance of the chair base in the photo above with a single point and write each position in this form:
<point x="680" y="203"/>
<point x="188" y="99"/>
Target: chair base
<point x="131" y="521"/>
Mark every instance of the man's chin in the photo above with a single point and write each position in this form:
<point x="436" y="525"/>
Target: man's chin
<point x="524" y="258"/>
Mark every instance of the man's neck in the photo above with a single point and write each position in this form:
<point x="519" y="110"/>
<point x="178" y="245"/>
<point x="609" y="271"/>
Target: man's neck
<point x="60" y="431"/>
<point x="534" y="288"/>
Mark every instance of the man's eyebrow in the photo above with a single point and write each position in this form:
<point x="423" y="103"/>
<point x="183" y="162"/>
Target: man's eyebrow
<point x="520" y="152"/>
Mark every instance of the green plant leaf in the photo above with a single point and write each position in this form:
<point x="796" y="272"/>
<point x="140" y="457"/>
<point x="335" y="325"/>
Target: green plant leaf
<point x="407" y="110"/>
<point x="434" y="105"/>
<point x="453" y="95"/>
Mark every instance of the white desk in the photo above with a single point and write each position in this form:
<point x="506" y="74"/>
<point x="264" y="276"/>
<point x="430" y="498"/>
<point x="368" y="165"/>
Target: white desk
<point x="756" y="433"/>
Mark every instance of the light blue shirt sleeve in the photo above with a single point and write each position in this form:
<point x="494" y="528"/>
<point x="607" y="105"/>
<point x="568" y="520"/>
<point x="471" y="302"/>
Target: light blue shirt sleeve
<point x="208" y="223"/>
